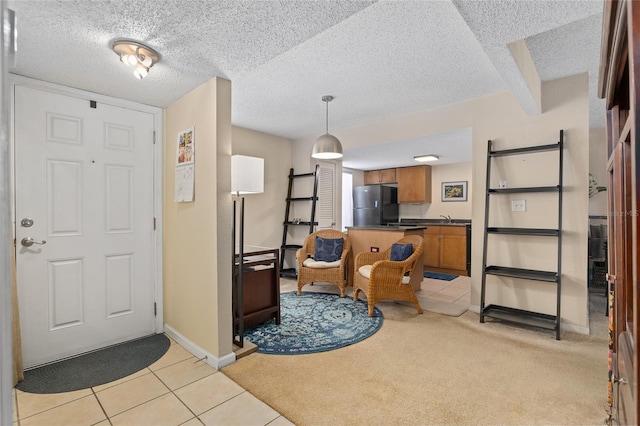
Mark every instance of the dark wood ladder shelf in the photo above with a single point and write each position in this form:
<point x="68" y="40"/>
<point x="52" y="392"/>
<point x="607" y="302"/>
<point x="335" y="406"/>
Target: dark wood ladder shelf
<point x="311" y="223"/>
<point x="523" y="190"/>
<point x="511" y="314"/>
<point x="526" y="150"/>
<point x="541" y="232"/>
<point x="528" y="274"/>
<point x="521" y="316"/>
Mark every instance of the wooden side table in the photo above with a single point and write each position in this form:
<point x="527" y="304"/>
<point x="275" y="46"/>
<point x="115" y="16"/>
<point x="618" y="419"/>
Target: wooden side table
<point x="261" y="287"/>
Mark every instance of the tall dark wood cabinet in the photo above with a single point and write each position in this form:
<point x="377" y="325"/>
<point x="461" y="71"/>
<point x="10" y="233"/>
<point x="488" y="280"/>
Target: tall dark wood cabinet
<point x="619" y="85"/>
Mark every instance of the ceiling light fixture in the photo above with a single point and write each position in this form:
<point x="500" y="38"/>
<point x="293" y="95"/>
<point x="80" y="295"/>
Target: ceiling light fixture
<point x="136" y="54"/>
<point x="327" y="147"/>
<point x="426" y="158"/>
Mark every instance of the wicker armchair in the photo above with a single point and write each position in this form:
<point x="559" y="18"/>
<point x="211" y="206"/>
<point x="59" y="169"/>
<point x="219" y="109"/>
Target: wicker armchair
<point x="380" y="278"/>
<point x="310" y="271"/>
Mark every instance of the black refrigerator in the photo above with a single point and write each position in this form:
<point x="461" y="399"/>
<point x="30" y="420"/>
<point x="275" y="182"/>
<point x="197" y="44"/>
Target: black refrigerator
<point x="375" y="205"/>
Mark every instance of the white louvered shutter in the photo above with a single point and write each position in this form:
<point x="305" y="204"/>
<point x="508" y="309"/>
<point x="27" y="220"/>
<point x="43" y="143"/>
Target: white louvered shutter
<point x="326" y="211"/>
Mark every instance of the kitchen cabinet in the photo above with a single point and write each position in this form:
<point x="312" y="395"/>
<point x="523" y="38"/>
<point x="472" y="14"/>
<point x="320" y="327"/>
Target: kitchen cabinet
<point x="447" y="249"/>
<point x="380" y="176"/>
<point x="414" y="184"/>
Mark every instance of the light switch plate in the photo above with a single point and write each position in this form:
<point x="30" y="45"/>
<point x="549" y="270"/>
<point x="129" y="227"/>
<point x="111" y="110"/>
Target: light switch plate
<point x="518" y="205"/>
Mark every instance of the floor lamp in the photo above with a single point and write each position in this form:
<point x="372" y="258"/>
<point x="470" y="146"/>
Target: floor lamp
<point x="247" y="177"/>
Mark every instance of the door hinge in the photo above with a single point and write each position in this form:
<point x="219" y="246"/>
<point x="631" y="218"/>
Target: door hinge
<point x="154" y="223"/>
<point x="155" y="309"/>
<point x="154" y="137"/>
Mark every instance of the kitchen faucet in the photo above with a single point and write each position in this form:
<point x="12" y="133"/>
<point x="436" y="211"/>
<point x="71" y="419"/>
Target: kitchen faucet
<point x="447" y="218"/>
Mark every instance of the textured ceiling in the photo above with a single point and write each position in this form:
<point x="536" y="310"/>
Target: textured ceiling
<point x="378" y="59"/>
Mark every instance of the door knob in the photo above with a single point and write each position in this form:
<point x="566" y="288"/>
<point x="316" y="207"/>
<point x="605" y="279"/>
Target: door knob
<point x="28" y="242"/>
<point x="620" y="380"/>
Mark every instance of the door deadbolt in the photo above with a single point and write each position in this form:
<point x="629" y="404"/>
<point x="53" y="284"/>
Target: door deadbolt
<point x="26" y="222"/>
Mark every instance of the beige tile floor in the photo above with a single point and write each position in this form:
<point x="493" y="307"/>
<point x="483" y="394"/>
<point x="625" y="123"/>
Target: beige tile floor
<point x="178" y="389"/>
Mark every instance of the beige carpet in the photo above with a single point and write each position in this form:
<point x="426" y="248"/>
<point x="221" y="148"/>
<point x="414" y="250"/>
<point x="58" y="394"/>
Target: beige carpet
<point x="437" y="369"/>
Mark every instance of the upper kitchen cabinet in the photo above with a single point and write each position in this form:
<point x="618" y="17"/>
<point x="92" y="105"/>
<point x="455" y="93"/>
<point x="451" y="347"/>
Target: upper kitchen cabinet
<point x="414" y="184"/>
<point x="380" y="176"/>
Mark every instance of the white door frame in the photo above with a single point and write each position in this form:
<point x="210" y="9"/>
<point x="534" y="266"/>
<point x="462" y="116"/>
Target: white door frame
<point x="6" y="344"/>
<point x="15" y="80"/>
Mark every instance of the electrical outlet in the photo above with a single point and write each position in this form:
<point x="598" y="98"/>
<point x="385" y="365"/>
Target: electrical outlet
<point x="502" y="184"/>
<point x="375" y="249"/>
<point x="518" y="205"/>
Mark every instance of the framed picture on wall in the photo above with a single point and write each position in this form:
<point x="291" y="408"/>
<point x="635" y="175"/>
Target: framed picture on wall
<point x="454" y="191"/>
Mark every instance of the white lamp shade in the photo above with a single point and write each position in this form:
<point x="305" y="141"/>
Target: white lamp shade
<point x="140" y="72"/>
<point x="128" y="59"/>
<point x="145" y="60"/>
<point x="247" y="174"/>
<point x="327" y="147"/>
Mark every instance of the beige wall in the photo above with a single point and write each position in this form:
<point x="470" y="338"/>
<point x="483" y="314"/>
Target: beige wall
<point x="598" y="167"/>
<point x="456" y="209"/>
<point x="197" y="246"/>
<point x="264" y="212"/>
<point x="499" y="117"/>
<point x="357" y="176"/>
<point x="522" y="56"/>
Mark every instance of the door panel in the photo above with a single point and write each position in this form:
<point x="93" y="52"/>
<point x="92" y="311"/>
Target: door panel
<point x="626" y="389"/>
<point x="454" y="251"/>
<point x="65" y="284"/>
<point x="432" y="246"/>
<point x="85" y="177"/>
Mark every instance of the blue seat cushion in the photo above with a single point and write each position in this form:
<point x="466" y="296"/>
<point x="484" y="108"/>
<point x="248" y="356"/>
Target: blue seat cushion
<point x="400" y="252"/>
<point x="328" y="249"/>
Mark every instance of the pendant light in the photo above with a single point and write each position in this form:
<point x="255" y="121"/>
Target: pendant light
<point x="327" y="147"/>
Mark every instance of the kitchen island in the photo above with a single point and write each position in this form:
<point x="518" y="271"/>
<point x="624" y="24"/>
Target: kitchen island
<point x="447" y="244"/>
<point x="378" y="238"/>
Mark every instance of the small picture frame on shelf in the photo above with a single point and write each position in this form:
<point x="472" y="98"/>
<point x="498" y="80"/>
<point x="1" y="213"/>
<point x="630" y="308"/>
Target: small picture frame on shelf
<point x="454" y="191"/>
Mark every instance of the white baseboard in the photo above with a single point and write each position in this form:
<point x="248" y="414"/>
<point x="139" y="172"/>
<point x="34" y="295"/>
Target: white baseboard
<point x="563" y="325"/>
<point x="198" y="352"/>
<point x="574" y="328"/>
<point x="475" y="308"/>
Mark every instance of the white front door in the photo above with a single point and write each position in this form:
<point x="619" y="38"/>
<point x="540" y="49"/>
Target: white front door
<point x="84" y="194"/>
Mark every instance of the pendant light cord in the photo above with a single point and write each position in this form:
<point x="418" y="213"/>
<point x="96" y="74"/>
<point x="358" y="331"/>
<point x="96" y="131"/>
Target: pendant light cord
<point x="327" y="102"/>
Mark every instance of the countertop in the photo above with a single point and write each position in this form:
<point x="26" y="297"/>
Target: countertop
<point x="388" y="227"/>
<point x="433" y="222"/>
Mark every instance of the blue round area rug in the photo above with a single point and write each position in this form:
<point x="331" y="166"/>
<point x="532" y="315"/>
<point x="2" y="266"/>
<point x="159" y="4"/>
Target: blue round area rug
<point x="314" y="322"/>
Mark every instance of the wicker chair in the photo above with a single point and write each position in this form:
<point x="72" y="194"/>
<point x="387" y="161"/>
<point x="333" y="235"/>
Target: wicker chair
<point x="310" y="271"/>
<point x="380" y="278"/>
